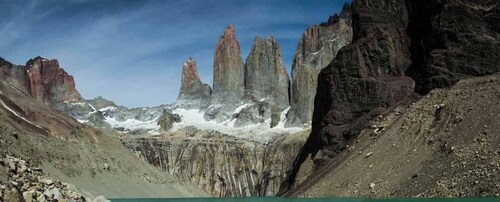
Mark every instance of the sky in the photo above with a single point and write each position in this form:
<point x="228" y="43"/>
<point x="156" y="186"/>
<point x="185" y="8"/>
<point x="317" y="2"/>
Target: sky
<point x="132" y="52"/>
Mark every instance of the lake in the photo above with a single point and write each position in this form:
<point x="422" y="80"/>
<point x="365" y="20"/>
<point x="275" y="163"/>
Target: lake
<point x="278" y="199"/>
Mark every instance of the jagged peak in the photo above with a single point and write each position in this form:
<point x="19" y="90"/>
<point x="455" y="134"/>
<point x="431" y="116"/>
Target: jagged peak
<point x="53" y="62"/>
<point x="190" y="70"/>
<point x="344" y="13"/>
<point x="230" y="29"/>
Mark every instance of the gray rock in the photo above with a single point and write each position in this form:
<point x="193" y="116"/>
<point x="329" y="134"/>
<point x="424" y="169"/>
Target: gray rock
<point x="12" y="195"/>
<point x="317" y="48"/>
<point x="167" y="120"/>
<point x="265" y="73"/>
<point x="28" y="195"/>
<point x="257" y="113"/>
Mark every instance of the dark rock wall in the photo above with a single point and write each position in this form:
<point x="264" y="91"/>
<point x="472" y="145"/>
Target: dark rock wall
<point x="399" y="47"/>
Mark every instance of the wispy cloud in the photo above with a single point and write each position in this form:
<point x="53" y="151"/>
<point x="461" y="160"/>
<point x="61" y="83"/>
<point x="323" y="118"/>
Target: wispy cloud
<point x="132" y="51"/>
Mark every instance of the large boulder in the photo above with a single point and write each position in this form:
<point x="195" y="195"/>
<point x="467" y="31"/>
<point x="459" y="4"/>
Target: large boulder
<point x="193" y="93"/>
<point x="317" y="48"/>
<point x="167" y="120"/>
<point x="265" y="73"/>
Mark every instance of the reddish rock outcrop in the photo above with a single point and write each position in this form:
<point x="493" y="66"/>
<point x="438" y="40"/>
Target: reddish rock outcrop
<point x="229" y="73"/>
<point x="317" y="48"/>
<point x="49" y="83"/>
<point x="265" y="73"/>
<point x="193" y="93"/>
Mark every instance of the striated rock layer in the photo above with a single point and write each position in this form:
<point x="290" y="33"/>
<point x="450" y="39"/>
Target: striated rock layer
<point x="265" y="73"/>
<point x="219" y="164"/>
<point x="229" y="72"/>
<point x="317" y="48"/>
<point x="396" y="45"/>
<point x="193" y="93"/>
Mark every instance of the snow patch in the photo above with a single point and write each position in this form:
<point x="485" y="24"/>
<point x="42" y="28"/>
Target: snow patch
<point x="111" y="108"/>
<point x="16" y="114"/>
<point x="258" y="132"/>
<point x="238" y="110"/>
<point x="282" y="122"/>
<point x="132" y="124"/>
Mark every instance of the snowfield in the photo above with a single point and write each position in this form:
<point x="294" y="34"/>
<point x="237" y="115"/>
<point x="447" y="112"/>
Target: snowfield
<point x="259" y="132"/>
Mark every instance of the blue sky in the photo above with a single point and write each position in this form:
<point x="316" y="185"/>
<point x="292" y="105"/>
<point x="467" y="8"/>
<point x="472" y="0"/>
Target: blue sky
<point x="132" y="52"/>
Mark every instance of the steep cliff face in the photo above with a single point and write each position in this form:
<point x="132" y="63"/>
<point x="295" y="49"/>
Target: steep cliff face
<point x="397" y="44"/>
<point x="219" y="164"/>
<point x="452" y="40"/>
<point x="193" y="93"/>
<point x="265" y="73"/>
<point x="229" y="72"/>
<point x="49" y="83"/>
<point x="317" y="48"/>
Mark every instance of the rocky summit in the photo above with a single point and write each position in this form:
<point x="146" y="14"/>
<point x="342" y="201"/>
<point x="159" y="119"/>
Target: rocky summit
<point x="49" y="83"/>
<point x="265" y="73"/>
<point x="229" y="72"/>
<point x="193" y="93"/>
<point x="316" y="49"/>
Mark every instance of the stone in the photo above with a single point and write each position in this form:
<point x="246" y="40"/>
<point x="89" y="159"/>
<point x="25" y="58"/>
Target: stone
<point x="56" y="193"/>
<point x="12" y="165"/>
<point x="265" y="73"/>
<point x="40" y="197"/>
<point x="193" y="93"/>
<point x="106" y="166"/>
<point x="48" y="182"/>
<point x="28" y="196"/>
<point x="372" y="185"/>
<point x="12" y="195"/>
<point x="318" y="46"/>
<point x="229" y="72"/>
<point x="368" y="154"/>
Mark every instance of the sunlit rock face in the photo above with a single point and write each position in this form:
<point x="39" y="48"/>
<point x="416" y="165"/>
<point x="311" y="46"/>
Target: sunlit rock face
<point x="318" y="46"/>
<point x="265" y="73"/>
<point x="193" y="93"/>
<point x="49" y="83"/>
<point x="229" y="72"/>
<point x="221" y="165"/>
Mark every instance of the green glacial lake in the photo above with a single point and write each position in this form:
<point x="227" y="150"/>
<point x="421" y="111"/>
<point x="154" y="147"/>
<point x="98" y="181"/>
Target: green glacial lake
<point x="277" y="199"/>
